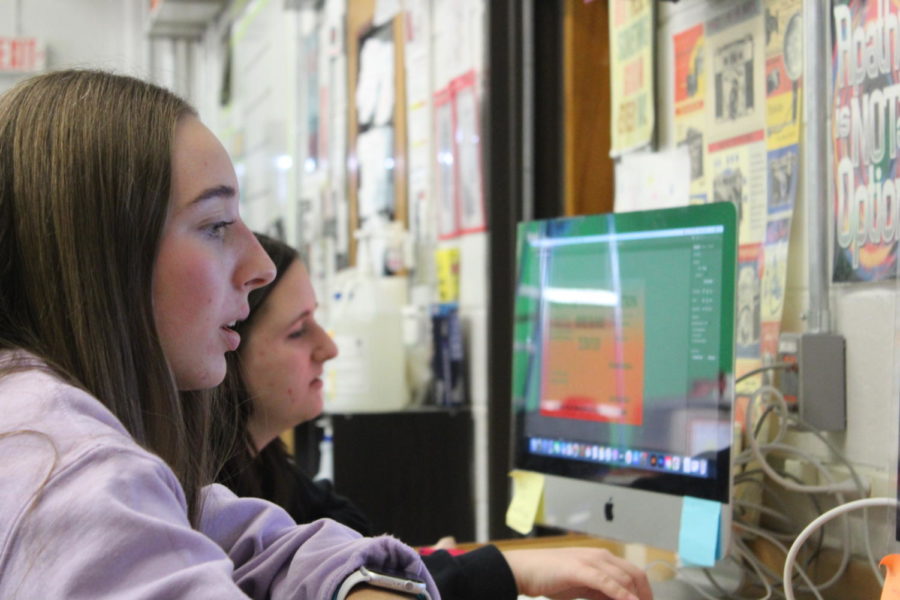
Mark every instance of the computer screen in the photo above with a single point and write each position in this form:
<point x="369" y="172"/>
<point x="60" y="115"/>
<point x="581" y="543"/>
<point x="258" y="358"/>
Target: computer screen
<point x="623" y="357"/>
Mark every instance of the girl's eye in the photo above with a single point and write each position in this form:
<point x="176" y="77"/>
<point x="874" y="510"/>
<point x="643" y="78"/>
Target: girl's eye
<point x="217" y="230"/>
<point x="296" y="334"/>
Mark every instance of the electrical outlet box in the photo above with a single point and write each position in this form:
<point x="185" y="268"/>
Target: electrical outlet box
<point x="787" y="379"/>
<point x="822" y="381"/>
<point x="818" y="386"/>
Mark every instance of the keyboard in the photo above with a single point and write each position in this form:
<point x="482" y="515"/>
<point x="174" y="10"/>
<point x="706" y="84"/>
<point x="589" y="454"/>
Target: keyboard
<point x="662" y="590"/>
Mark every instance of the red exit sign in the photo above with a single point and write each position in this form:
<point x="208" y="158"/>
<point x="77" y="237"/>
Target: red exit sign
<point x="21" y="55"/>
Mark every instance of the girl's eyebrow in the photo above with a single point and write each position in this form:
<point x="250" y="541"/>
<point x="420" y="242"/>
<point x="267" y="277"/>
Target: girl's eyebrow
<point x="219" y="191"/>
<point x="304" y="314"/>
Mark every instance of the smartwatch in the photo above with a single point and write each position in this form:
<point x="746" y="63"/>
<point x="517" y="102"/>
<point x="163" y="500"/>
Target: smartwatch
<point x="379" y="579"/>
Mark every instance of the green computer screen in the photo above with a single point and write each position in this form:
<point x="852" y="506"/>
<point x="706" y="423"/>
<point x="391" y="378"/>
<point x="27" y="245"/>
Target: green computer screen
<point x="623" y="339"/>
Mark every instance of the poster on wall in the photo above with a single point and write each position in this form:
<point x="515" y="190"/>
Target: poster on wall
<point x="864" y="147"/>
<point x="784" y="71"/>
<point x="737" y="109"/>
<point x="470" y="192"/>
<point x="689" y="53"/>
<point x="739" y="176"/>
<point x="736" y="158"/>
<point x="735" y="112"/>
<point x="444" y="172"/>
<point x="375" y="97"/>
<point x="458" y="185"/>
<point x="784" y="94"/>
<point x="631" y="74"/>
<point x="418" y="60"/>
<point x="734" y="41"/>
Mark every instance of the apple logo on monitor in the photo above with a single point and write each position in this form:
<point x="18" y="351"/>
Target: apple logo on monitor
<point x="608" y="509"/>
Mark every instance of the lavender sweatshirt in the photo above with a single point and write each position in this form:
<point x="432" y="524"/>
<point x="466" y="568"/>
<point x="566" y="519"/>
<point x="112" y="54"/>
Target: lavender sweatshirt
<point x="87" y="513"/>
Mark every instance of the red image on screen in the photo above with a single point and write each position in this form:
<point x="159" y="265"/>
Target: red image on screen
<point x="593" y="366"/>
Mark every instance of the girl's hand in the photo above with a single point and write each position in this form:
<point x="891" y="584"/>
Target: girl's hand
<point x="568" y="573"/>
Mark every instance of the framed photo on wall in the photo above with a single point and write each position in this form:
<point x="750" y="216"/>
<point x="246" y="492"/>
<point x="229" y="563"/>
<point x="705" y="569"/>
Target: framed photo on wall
<point x="470" y="192"/>
<point x="458" y="171"/>
<point x="445" y="168"/>
<point x="376" y="126"/>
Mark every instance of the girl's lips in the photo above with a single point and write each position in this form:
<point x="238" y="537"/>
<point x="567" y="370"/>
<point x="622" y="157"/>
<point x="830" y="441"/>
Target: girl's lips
<point x="232" y="338"/>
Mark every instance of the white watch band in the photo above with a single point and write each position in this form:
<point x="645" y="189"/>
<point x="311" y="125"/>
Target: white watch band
<point x="393" y="583"/>
<point x="352" y="579"/>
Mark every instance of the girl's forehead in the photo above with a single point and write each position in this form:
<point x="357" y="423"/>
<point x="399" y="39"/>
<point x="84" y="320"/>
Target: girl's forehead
<point x="292" y="300"/>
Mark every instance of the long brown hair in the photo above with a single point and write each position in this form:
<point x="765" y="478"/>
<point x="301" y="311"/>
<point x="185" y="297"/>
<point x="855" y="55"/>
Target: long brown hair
<point x="274" y="482"/>
<point x="85" y="172"/>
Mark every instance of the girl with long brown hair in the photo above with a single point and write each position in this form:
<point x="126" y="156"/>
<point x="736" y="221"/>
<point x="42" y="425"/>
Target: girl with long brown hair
<point x="124" y="268"/>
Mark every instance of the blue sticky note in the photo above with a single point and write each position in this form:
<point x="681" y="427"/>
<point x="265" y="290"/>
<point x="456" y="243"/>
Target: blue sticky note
<point x="698" y="539"/>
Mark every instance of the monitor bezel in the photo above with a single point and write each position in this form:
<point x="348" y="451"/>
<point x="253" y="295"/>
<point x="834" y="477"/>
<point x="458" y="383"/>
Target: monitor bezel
<point x="675" y="485"/>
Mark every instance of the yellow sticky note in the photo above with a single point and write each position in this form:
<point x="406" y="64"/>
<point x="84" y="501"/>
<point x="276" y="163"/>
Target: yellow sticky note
<point x="447" y="261"/>
<point x="527" y="501"/>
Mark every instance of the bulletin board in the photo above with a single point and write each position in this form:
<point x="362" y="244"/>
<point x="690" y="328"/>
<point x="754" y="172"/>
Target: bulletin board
<point x="376" y="185"/>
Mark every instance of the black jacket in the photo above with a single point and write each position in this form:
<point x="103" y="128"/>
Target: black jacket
<point x="482" y="574"/>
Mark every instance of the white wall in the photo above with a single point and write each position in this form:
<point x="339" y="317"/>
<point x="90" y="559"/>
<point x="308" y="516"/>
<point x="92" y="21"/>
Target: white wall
<point x="259" y="127"/>
<point x="456" y="46"/>
<point x="105" y="34"/>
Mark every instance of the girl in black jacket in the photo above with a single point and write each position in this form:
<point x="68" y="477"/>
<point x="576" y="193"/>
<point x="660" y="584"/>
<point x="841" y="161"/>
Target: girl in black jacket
<point x="274" y="383"/>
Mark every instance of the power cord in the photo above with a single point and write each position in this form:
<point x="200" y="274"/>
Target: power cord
<point x="755" y="462"/>
<point x="843" y="509"/>
<point x="788" y="366"/>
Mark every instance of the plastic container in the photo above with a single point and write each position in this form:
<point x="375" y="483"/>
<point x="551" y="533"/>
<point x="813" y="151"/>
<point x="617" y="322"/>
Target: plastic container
<point x="326" y="452"/>
<point x="366" y="323"/>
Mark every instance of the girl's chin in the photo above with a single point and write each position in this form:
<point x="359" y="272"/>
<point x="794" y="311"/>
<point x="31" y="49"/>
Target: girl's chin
<point x="202" y="377"/>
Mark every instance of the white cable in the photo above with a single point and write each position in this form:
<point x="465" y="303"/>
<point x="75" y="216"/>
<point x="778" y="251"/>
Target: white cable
<point x="758" y="453"/>
<point x="773" y="496"/>
<point x="772" y="367"/>
<point x="831" y="487"/>
<point x="854" y="483"/>
<point x="863" y="491"/>
<point x="757" y="569"/>
<point x="755" y="564"/>
<point x="803" y="574"/>
<point x="862" y="488"/>
<point x="767" y="511"/>
<point x="836" y="489"/>
<point x="837" y="511"/>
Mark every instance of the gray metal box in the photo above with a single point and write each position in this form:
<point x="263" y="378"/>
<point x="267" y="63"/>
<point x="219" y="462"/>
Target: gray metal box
<point x="823" y="385"/>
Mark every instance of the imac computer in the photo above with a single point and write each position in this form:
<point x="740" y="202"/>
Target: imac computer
<point x="623" y="357"/>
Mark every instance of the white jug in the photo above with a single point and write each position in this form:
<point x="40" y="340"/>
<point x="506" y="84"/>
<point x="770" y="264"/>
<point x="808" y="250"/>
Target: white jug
<point x="366" y="323"/>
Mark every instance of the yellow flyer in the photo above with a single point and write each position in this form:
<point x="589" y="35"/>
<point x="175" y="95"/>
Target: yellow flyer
<point x="631" y="74"/>
<point x="784" y="70"/>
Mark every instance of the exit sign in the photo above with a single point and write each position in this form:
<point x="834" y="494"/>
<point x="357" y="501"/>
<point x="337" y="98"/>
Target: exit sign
<point x="21" y="55"/>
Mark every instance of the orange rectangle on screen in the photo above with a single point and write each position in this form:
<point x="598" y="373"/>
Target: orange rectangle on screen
<point x="594" y="365"/>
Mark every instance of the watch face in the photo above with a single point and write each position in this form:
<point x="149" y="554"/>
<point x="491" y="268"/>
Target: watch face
<point x="394" y="581"/>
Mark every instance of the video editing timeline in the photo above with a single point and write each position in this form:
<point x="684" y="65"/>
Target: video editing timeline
<point x="653" y="461"/>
